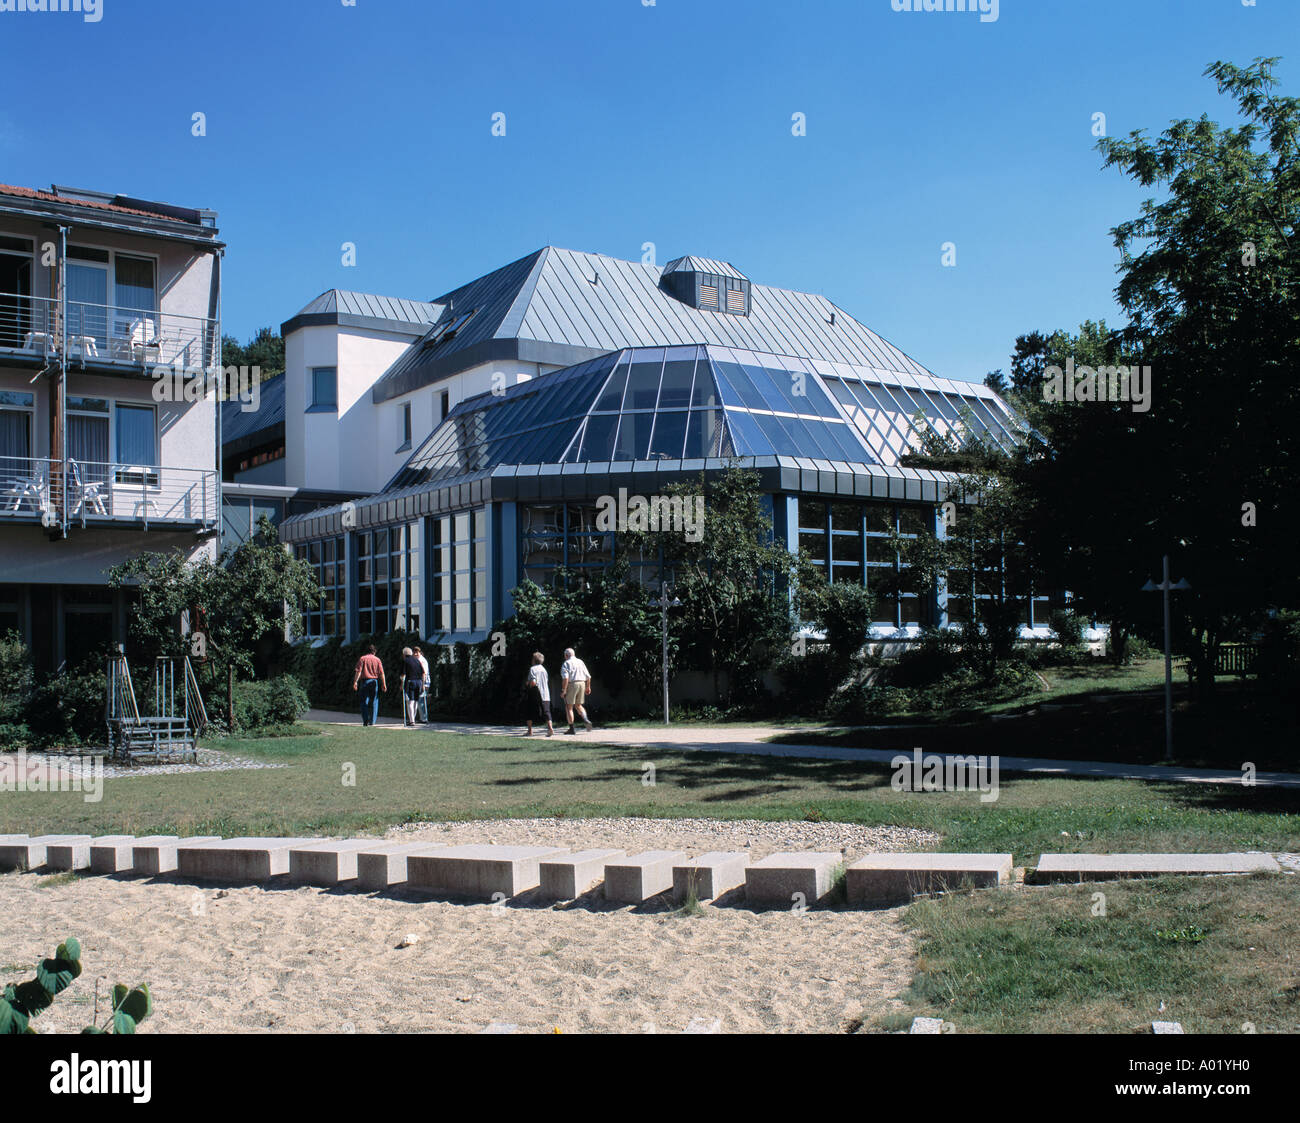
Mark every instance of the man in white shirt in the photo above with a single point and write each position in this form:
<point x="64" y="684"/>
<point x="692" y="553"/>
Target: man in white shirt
<point x="575" y="685"/>
<point x="423" y="714"/>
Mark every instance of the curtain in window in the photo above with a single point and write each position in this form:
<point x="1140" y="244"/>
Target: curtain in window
<point x="87" y="298"/>
<point x="88" y="439"/>
<point x="15" y="434"/>
<point x="134" y="287"/>
<point x="135" y="436"/>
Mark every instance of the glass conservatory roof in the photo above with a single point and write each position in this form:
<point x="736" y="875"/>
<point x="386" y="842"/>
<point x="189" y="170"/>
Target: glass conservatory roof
<point x="698" y="402"/>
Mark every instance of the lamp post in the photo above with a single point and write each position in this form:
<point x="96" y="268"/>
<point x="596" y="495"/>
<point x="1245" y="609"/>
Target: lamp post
<point x="664" y="601"/>
<point x="1165" y="587"/>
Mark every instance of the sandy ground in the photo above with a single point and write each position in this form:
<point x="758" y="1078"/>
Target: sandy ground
<point x="253" y="959"/>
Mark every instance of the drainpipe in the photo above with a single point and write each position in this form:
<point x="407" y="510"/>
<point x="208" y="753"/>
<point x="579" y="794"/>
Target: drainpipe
<point x="63" y="381"/>
<point x="221" y="466"/>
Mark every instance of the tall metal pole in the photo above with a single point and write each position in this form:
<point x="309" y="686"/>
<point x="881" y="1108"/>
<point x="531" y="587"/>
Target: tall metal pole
<point x="663" y="608"/>
<point x="1169" y="673"/>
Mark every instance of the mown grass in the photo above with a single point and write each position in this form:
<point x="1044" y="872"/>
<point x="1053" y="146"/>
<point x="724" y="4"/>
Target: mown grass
<point x="1221" y="954"/>
<point x="406" y="776"/>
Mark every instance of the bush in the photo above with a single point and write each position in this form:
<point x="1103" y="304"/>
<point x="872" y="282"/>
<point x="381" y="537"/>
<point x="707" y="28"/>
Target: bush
<point x="279" y="701"/>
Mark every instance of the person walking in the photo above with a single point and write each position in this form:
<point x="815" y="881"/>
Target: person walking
<point x="370" y="674"/>
<point x="412" y="685"/>
<point x="537" y="703"/>
<point x="575" y="685"/>
<point x="424" y="686"/>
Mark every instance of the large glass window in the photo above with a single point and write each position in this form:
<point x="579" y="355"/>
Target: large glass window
<point x="328" y="557"/>
<point x="458" y="566"/>
<point x="556" y="540"/>
<point x="388" y="579"/>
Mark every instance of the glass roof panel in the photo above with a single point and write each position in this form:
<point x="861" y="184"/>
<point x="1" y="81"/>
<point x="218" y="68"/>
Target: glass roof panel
<point x="612" y="396"/>
<point x="675" y="390"/>
<point x="598" y="442"/>
<point x="669" y="435"/>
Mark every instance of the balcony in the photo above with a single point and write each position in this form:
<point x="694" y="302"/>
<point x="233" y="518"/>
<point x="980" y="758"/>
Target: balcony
<point x="106" y="336"/>
<point x="34" y="489"/>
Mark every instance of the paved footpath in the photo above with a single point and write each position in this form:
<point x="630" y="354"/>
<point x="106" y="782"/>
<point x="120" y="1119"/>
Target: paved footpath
<point x="752" y="740"/>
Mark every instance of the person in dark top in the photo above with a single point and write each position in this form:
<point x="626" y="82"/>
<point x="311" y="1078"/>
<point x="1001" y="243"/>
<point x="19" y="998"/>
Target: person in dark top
<point x="412" y="685"/>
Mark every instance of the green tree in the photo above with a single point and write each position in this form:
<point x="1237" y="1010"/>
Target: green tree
<point x="238" y="603"/>
<point x="264" y="351"/>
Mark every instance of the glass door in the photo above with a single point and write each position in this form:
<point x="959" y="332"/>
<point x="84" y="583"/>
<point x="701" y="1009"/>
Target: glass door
<point x="87" y="308"/>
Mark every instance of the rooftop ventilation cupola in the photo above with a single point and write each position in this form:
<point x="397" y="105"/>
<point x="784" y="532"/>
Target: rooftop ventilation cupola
<point x="706" y="284"/>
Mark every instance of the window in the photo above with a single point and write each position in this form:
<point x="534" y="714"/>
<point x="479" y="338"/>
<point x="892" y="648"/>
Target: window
<point x="459" y="567"/>
<point x="324" y="389"/>
<point x="388" y="580"/>
<point x="134" y="432"/>
<point x="406" y="427"/>
<point x="328" y="558"/>
<point x="557" y="540"/>
<point x="444" y="405"/>
<point x="15" y="427"/>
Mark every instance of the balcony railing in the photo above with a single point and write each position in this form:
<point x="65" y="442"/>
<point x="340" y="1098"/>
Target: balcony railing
<point x="105" y="334"/>
<point x="123" y="494"/>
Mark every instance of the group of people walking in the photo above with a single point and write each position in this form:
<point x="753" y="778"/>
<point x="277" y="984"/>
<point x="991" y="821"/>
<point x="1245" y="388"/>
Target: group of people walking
<point x="368" y="681"/>
<point x="575" y="686"/>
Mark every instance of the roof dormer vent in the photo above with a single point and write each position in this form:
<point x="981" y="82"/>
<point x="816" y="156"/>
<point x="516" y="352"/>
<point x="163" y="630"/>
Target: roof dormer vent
<point x="707" y="284"/>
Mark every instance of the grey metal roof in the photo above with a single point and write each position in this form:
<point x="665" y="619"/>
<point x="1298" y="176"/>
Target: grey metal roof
<point x="364" y="309"/>
<point x="703" y="265"/>
<point x="238" y="423"/>
<point x="564" y="306"/>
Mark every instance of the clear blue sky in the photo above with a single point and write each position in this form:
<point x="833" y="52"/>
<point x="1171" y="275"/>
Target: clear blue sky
<point x="628" y="123"/>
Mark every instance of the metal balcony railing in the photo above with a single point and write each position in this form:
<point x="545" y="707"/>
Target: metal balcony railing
<point x="99" y="333"/>
<point x="125" y="494"/>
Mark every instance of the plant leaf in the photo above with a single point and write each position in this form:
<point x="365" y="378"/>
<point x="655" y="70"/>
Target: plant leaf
<point x="123" y="1023"/>
<point x="138" y="1003"/>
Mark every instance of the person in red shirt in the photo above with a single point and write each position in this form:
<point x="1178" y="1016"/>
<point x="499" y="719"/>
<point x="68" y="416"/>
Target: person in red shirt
<point x="370" y="675"/>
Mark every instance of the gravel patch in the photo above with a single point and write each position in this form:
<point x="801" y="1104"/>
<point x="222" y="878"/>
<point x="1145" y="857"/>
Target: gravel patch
<point x="1290" y="863"/>
<point x="207" y="760"/>
<point x="696" y="836"/>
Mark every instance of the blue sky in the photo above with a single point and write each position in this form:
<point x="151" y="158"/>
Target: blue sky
<point x="627" y="123"/>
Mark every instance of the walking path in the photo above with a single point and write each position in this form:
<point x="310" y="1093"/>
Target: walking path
<point x="753" y="740"/>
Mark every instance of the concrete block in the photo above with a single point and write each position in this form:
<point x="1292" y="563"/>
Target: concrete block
<point x="15" y="849"/>
<point x="112" y="854"/>
<point x="59" y="851"/>
<point x="327" y="863"/>
<point x="156" y="853"/>
<point x="778" y="877"/>
<point x="642" y="876"/>
<point x="1166" y="1027"/>
<point x="887" y="878"/>
<point x="926" y="1025"/>
<point x="1109" y="867"/>
<point x="711" y="875"/>
<point x="479" y="871"/>
<point x="237" y="859"/>
<point x="567" y="876"/>
<point x="382" y="865"/>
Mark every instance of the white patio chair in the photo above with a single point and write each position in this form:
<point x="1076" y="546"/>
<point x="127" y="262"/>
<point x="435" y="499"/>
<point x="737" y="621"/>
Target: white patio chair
<point x="86" y="496"/>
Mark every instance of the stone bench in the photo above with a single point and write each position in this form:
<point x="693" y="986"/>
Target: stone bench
<point x="326" y="863"/>
<point x="382" y="865"/>
<point x="155" y="854"/>
<point x="479" y="871"/>
<point x="636" y="879"/>
<point x="237" y="859"/>
<point x="779" y="877"/>
<point x="112" y="854"/>
<point x="33" y="853"/>
<point x="710" y="875"/>
<point x="1110" y="867"/>
<point x="889" y="878"/>
<point x="568" y="876"/>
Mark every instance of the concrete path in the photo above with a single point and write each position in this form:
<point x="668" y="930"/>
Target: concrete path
<point x="752" y="740"/>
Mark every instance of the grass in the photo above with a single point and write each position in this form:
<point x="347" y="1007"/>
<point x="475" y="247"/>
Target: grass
<point x="410" y="776"/>
<point x="1220" y="953"/>
<point x="1110" y="714"/>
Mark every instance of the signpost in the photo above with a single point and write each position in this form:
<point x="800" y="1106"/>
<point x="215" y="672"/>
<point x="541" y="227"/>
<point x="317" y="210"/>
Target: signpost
<point x="1166" y="586"/>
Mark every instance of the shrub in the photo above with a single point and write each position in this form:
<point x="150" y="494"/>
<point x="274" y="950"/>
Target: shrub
<point x="279" y="701"/>
<point x="68" y="709"/>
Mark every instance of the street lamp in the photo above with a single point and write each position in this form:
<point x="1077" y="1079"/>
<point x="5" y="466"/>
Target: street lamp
<point x="663" y="603"/>
<point x="1166" y="586"/>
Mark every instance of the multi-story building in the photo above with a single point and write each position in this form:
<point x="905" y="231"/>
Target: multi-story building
<point x="512" y="405"/>
<point x="109" y="427"/>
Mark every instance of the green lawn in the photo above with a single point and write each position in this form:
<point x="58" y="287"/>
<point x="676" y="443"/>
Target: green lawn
<point x="404" y="776"/>
<point x="1220" y="953"/>
<point x="1107" y="714"/>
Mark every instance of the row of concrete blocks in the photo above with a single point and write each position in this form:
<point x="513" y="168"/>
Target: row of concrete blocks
<point x="488" y="871"/>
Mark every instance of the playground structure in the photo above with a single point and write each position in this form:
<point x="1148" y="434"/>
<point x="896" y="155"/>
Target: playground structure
<point x="170" y="733"/>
